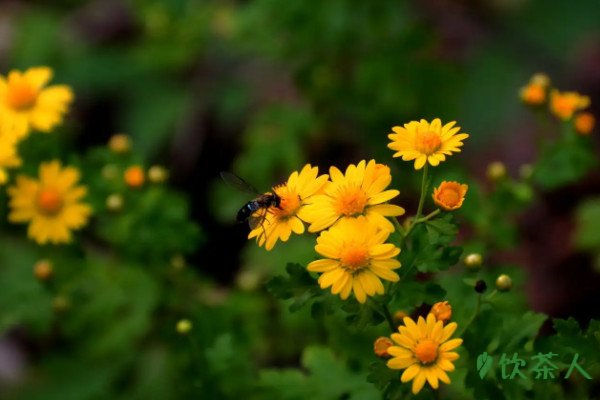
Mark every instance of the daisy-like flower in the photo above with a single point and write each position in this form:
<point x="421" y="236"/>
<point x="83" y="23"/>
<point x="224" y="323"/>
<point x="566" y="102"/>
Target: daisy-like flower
<point x="360" y="191"/>
<point x="424" y="351"/>
<point x="9" y="157"/>
<point x="51" y="205"/>
<point x="426" y="142"/>
<point x="565" y="104"/>
<point x="357" y="258"/>
<point x="280" y="222"/>
<point x="26" y="102"/>
<point x="450" y="195"/>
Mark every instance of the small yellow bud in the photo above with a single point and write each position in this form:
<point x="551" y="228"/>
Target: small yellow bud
<point x="43" y="270"/>
<point x="110" y="172"/>
<point x="157" y="174"/>
<point x="61" y="304"/>
<point x="114" y="202"/>
<point x="119" y="143"/>
<point x="178" y="262"/>
<point x="540" y="79"/>
<point x="473" y="261"/>
<point x="503" y="283"/>
<point x="248" y="280"/>
<point x="442" y="311"/>
<point x="496" y="171"/>
<point x="526" y="171"/>
<point x="134" y="176"/>
<point x="184" y="326"/>
<point x="381" y="345"/>
<point x="398" y="317"/>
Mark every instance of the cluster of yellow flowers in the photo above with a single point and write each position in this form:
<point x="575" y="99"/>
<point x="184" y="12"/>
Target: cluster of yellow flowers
<point x="351" y="209"/>
<point x="351" y="212"/>
<point x="50" y="204"/>
<point x="567" y="106"/>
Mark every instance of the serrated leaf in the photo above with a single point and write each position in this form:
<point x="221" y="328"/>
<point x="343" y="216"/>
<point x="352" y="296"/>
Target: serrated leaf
<point x="299" y="285"/>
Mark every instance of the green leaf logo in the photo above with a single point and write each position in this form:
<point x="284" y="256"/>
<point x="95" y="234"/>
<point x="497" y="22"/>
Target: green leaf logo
<point x="484" y="363"/>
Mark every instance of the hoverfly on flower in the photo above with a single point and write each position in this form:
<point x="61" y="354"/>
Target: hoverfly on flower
<point x="254" y="211"/>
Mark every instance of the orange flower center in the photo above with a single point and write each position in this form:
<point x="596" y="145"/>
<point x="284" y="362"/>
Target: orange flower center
<point x="449" y="196"/>
<point x="49" y="202"/>
<point x="426" y="351"/>
<point x="355" y="257"/>
<point x="289" y="203"/>
<point x="428" y="142"/>
<point x="21" y="96"/>
<point x="352" y="202"/>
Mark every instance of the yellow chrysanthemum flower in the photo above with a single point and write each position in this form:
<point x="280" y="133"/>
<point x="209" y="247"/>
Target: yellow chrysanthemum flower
<point x="565" y="104"/>
<point x="424" y="351"/>
<point x="450" y="195"/>
<point x="9" y="157"/>
<point x="357" y="258"/>
<point x="279" y="223"/>
<point x="426" y="142"/>
<point x="360" y="191"/>
<point x="51" y="205"/>
<point x="26" y="103"/>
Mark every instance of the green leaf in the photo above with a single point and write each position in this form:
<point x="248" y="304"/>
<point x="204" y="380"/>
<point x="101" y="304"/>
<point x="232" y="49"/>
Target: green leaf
<point x="587" y="234"/>
<point x="326" y="377"/>
<point x="441" y="230"/>
<point x="299" y="285"/>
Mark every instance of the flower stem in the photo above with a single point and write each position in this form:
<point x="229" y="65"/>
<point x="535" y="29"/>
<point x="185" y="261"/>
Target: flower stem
<point x="388" y="317"/>
<point x="423" y="190"/>
<point x="429" y="216"/>
<point x="417" y="219"/>
<point x="473" y="317"/>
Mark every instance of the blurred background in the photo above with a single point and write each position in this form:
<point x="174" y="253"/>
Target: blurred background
<point x="261" y="87"/>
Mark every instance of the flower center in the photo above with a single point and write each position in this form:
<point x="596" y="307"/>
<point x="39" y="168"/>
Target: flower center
<point x="352" y="202"/>
<point x="428" y="142"/>
<point x="355" y="257"/>
<point x="289" y="202"/>
<point x="21" y="96"/>
<point x="426" y="351"/>
<point x="49" y="202"/>
<point x="449" y="197"/>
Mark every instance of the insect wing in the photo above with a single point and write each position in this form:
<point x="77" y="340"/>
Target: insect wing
<point x="258" y="218"/>
<point x="238" y="183"/>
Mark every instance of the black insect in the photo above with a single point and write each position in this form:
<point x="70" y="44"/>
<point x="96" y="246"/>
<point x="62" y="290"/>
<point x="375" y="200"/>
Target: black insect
<point x="262" y="202"/>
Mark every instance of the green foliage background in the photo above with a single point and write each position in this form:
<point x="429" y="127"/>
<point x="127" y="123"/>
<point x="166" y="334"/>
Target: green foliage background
<point x="260" y="88"/>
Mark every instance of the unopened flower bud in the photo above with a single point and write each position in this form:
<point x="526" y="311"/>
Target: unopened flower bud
<point x="480" y="286"/>
<point x="178" y="262"/>
<point x="526" y="171"/>
<point x="496" y="171"/>
<point x="134" y="176"/>
<point x="442" y="311"/>
<point x="119" y="143"/>
<point x="503" y="283"/>
<point x="584" y="123"/>
<point x="114" y="202"/>
<point x="184" y="326"/>
<point x="473" y="261"/>
<point x="399" y="317"/>
<point x="157" y="174"/>
<point x="381" y="345"/>
<point x="43" y="270"/>
<point x="61" y="304"/>
<point x="110" y="172"/>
